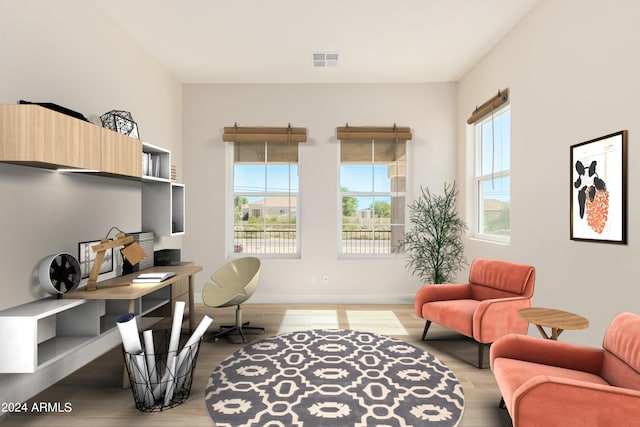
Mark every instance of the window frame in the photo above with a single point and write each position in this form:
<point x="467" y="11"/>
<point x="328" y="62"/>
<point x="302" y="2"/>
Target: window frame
<point x="373" y="194"/>
<point x="478" y="180"/>
<point x="264" y="194"/>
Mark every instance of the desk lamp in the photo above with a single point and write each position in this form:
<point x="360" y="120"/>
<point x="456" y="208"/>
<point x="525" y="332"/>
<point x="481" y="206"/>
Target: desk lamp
<point x="132" y="251"/>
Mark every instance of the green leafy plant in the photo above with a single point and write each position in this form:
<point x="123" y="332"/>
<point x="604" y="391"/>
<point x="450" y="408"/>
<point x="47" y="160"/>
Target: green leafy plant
<point x="434" y="243"/>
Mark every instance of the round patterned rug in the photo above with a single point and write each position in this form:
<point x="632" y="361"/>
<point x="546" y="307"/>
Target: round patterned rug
<point x="333" y="378"/>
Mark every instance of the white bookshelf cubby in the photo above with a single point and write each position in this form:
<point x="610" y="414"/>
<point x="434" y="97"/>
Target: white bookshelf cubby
<point x="45" y="331"/>
<point x="156" y="163"/>
<point x="41" y="332"/>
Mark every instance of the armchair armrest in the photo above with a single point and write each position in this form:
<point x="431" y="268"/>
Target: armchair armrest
<point x="495" y="318"/>
<point x="443" y="292"/>
<point x="552" y="401"/>
<point x="548" y="352"/>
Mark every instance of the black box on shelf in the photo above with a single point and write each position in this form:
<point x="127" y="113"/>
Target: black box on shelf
<point x="166" y="257"/>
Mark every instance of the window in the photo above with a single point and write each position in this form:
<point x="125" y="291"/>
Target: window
<point x="493" y="176"/>
<point x="372" y="191"/>
<point x="265" y="198"/>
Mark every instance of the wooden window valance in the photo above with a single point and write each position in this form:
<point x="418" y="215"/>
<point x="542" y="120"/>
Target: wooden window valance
<point x="489" y="106"/>
<point x="264" y="134"/>
<point x="370" y="132"/>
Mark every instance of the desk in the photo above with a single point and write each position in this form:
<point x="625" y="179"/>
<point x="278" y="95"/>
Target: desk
<point x="137" y="290"/>
<point x="557" y="320"/>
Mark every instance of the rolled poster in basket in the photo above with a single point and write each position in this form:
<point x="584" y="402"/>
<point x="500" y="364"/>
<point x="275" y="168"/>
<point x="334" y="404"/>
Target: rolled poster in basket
<point x="166" y="386"/>
<point x="150" y="354"/>
<point x="187" y="355"/>
<point x="128" y="327"/>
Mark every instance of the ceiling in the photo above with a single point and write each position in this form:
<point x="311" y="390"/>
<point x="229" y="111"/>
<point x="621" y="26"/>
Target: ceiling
<point x="272" y="41"/>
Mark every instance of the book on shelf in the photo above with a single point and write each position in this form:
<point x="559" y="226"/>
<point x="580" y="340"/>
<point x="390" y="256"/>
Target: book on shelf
<point x="151" y="165"/>
<point x="153" y="277"/>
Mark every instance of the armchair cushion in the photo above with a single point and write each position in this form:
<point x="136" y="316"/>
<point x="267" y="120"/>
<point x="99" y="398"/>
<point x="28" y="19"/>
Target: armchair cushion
<point x="458" y="316"/>
<point x="500" y="275"/>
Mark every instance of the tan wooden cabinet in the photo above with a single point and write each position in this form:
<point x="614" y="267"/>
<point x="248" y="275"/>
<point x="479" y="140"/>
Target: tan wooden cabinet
<point x="36" y="136"/>
<point x="121" y="154"/>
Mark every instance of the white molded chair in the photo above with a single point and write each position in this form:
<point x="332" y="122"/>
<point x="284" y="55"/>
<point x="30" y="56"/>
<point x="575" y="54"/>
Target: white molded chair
<point x="233" y="284"/>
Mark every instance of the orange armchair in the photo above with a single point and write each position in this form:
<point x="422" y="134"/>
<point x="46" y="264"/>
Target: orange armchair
<point x="484" y="309"/>
<point x="547" y="383"/>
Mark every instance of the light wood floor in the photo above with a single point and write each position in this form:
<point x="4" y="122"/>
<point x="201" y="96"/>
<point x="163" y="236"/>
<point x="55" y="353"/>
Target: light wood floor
<point x="97" y="398"/>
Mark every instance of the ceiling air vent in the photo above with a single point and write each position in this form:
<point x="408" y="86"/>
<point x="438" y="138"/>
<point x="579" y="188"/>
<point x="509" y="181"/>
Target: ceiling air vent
<point x="325" y="59"/>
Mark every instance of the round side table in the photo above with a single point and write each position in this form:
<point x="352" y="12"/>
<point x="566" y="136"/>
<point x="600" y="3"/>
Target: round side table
<point x="557" y="320"/>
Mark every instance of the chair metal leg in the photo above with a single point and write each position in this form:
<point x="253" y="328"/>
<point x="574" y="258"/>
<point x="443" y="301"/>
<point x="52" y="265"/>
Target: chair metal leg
<point x="426" y="329"/>
<point x="239" y="327"/>
<point x="480" y="354"/>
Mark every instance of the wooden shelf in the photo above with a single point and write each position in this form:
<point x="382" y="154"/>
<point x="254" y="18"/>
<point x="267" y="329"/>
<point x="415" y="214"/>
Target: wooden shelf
<point x="32" y="135"/>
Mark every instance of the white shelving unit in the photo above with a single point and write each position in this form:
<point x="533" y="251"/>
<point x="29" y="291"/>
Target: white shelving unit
<point x="163" y="210"/>
<point x="42" y="332"/>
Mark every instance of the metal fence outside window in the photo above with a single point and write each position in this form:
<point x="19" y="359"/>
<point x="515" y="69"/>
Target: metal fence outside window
<point x="366" y="242"/>
<point x="265" y="241"/>
<point x="284" y="241"/>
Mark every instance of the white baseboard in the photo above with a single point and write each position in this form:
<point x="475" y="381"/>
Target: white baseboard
<point x="262" y="298"/>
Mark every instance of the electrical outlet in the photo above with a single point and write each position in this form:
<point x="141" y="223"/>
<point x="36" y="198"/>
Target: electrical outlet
<point x="325" y="279"/>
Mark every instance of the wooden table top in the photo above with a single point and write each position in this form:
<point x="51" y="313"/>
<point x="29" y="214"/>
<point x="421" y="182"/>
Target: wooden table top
<point x="134" y="290"/>
<point x="553" y="318"/>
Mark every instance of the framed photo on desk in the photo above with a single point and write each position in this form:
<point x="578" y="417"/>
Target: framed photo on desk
<point x="86" y="257"/>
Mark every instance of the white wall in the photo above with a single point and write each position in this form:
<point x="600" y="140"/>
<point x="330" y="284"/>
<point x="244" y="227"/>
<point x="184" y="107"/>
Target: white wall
<point x="572" y="69"/>
<point x="71" y="53"/>
<point x="429" y="109"/>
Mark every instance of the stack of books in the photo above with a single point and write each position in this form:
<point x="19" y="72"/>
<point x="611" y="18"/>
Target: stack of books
<point x="153" y="277"/>
<point x="173" y="173"/>
<point x="150" y="165"/>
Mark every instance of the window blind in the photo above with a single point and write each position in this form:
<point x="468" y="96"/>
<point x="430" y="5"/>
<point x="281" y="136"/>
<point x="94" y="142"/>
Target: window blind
<point x="489" y="106"/>
<point x="371" y="132"/>
<point x="286" y="134"/>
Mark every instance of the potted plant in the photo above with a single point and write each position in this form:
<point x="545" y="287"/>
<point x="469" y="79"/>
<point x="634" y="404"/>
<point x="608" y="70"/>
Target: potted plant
<point x="434" y="242"/>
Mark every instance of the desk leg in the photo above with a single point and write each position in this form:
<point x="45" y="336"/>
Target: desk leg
<point x="192" y="305"/>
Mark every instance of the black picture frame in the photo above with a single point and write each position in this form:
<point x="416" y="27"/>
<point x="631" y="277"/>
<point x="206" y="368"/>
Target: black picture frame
<point x="598" y="189"/>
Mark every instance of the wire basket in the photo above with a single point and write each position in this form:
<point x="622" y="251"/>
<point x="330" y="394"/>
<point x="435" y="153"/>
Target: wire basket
<point x="161" y="380"/>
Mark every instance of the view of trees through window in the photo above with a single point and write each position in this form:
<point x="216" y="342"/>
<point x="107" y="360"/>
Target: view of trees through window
<point x="265" y="189"/>
<point x="372" y="190"/>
